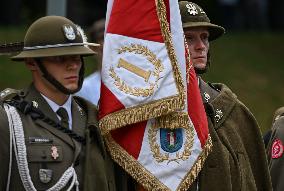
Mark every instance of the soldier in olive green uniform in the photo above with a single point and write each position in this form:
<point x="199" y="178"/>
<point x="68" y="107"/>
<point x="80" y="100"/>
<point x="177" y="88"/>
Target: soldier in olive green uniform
<point x="49" y="139"/>
<point x="275" y="150"/>
<point x="267" y="136"/>
<point x="238" y="160"/>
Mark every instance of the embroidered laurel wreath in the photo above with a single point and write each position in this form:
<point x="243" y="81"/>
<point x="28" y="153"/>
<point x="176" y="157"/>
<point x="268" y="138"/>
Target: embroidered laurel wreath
<point x="155" y="148"/>
<point x="151" y="57"/>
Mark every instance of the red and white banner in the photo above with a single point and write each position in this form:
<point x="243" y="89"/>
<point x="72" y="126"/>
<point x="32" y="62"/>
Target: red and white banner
<point x="151" y="112"/>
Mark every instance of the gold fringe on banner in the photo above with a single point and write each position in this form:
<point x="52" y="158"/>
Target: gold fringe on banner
<point x="133" y="167"/>
<point x="161" y="10"/>
<point x="196" y="168"/>
<point x="139" y="113"/>
<point x="174" y="120"/>
<point x="143" y="176"/>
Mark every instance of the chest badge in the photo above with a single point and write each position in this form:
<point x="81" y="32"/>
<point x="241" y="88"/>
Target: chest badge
<point x="45" y="175"/>
<point x="277" y="149"/>
<point x="54" y="152"/>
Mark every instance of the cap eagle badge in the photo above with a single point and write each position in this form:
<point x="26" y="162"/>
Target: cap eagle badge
<point x="69" y="32"/>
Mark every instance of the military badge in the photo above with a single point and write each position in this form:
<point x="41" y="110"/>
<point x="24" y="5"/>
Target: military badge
<point x="206" y="97"/>
<point x="191" y="9"/>
<point x="45" y="175"/>
<point x="69" y="32"/>
<point x="35" y="104"/>
<point x="277" y="149"/>
<point x="171" y="139"/>
<point x="219" y="115"/>
<point x="80" y="110"/>
<point x="54" y="152"/>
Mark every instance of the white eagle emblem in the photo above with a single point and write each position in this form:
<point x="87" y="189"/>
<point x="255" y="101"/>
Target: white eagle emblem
<point x="69" y="32"/>
<point x="191" y="9"/>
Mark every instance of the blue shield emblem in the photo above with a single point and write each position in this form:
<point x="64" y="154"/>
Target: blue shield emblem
<point x="171" y="139"/>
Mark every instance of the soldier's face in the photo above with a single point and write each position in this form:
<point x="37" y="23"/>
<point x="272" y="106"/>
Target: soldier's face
<point x="65" y="69"/>
<point x="198" y="44"/>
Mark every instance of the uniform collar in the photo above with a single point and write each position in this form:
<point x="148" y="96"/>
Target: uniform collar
<point x="54" y="106"/>
<point x="220" y="98"/>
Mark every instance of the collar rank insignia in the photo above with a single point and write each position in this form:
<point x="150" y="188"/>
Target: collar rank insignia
<point x="54" y="152"/>
<point x="277" y="149"/>
<point x="171" y="139"/>
<point x="35" y="104"/>
<point x="45" y="175"/>
<point x="191" y="9"/>
<point x="69" y="32"/>
<point x="80" y="110"/>
<point x="206" y="97"/>
<point x="219" y="115"/>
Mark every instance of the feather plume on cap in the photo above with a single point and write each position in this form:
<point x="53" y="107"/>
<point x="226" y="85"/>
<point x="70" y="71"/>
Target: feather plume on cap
<point x="85" y="39"/>
<point x="82" y="33"/>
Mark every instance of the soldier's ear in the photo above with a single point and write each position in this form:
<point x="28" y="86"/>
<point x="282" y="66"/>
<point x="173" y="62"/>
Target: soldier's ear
<point x="31" y="64"/>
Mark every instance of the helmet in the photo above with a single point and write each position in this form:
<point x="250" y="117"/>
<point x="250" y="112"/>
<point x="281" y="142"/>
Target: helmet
<point x="193" y="15"/>
<point x="54" y="36"/>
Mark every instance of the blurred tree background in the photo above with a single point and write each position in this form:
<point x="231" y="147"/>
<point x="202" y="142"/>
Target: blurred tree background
<point x="248" y="58"/>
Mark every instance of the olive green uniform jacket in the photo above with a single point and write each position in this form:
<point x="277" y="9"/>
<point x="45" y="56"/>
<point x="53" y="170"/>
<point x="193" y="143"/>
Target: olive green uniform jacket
<point x="276" y="163"/>
<point x="238" y="160"/>
<point x="91" y="161"/>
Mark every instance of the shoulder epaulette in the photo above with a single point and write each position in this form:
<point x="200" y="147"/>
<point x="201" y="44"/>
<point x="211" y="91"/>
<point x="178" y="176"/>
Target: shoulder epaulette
<point x="8" y="94"/>
<point x="278" y="113"/>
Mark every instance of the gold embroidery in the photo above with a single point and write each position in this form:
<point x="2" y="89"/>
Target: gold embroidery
<point x="166" y="33"/>
<point x="135" y="69"/>
<point x="139" y="113"/>
<point x="143" y="176"/>
<point x="174" y="120"/>
<point x="133" y="167"/>
<point x="189" y="132"/>
<point x="188" y="63"/>
<point x="196" y="168"/>
<point x="144" y="92"/>
<point x="151" y="57"/>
